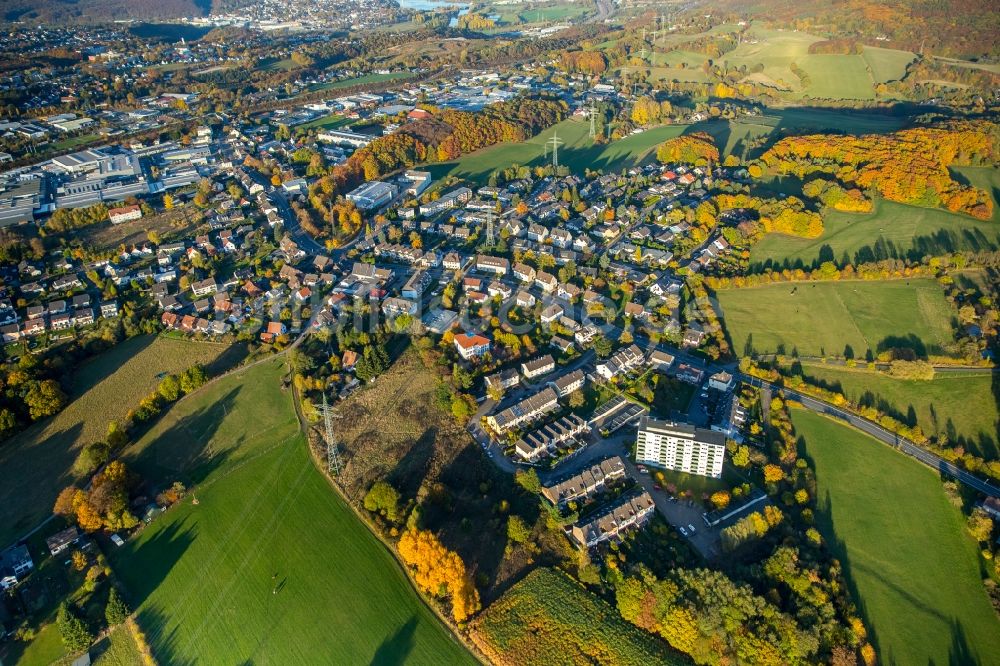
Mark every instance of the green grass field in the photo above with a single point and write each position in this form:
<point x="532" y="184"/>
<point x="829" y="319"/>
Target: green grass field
<point x="38" y="462"/>
<point x="361" y="80"/>
<point x="831" y="76"/>
<point x="776" y="50"/>
<point x="553" y="14"/>
<point x="332" y="121"/>
<point x="834" y="76"/>
<point x="270" y="566"/>
<point x="907" y="558"/>
<point x="821" y="318"/>
<point x="959" y="406"/>
<point x="578" y="152"/>
<point x="891" y="229"/>
<point x="887" y="64"/>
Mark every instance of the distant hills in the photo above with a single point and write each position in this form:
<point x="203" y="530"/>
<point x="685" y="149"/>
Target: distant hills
<point x="98" y="11"/>
<point x="957" y="28"/>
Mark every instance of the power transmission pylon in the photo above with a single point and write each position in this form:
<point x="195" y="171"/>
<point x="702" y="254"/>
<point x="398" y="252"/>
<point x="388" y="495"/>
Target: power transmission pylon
<point x="593" y="121"/>
<point x="332" y="455"/>
<point x="489" y="226"/>
<point x="555" y="141"/>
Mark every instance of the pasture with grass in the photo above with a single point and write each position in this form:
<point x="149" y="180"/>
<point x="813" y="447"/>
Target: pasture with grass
<point x="270" y="565"/>
<point x="825" y="318"/>
<point x="905" y="551"/>
<point x="957" y="405"/>
<point x="38" y="461"/>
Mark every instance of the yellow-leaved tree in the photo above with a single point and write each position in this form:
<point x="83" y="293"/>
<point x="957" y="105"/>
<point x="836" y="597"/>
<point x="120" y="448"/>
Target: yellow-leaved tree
<point x="439" y="572"/>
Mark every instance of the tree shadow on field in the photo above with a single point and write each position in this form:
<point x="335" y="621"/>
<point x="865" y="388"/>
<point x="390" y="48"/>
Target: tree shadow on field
<point x="397" y="647"/>
<point x="163" y="643"/>
<point x="411" y="470"/>
<point x="144" y="564"/>
<point x="97" y="369"/>
<point x="28" y="489"/>
<point x="909" y="341"/>
<point x="185" y="450"/>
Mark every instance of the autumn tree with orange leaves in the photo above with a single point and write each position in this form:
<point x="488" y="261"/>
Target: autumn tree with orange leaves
<point x="104" y="505"/>
<point x="439" y="572"/>
<point x="910" y="166"/>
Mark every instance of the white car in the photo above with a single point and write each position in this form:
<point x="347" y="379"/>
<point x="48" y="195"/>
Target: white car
<point x="683" y="531"/>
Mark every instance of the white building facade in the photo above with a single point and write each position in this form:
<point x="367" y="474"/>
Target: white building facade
<point x="680" y="447"/>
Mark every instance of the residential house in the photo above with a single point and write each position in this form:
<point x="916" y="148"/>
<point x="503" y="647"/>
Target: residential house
<point x="503" y="380"/>
<point x="471" y="346"/>
<point x="524" y="272"/>
<point x="549" y="438"/>
<point x="546" y="281"/>
<point x="621" y="362"/>
<point x="537" y="367"/>
<point x="62" y="540"/>
<point x="629" y="512"/>
<point x="569" y="382"/>
<point x="488" y="264"/>
<point x="585" y="483"/>
<point x="525" y="411"/>
<point x="524" y="299"/>
<point x="552" y="313"/>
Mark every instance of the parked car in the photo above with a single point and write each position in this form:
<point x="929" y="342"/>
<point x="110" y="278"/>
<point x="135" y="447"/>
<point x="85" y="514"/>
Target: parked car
<point x="691" y="527"/>
<point x="683" y="531"/>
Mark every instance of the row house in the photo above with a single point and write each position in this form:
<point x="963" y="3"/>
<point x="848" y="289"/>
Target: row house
<point x="503" y="380"/>
<point x="586" y="483"/>
<point x="548" y="439"/>
<point x="537" y="367"/>
<point x="628" y="513"/>
<point x="525" y="411"/>
<point x="621" y="362"/>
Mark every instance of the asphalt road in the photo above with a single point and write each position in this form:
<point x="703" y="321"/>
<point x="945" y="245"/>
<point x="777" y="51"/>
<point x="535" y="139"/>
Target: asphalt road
<point x="887" y="436"/>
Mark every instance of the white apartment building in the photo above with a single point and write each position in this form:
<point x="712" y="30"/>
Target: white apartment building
<point x="681" y="447"/>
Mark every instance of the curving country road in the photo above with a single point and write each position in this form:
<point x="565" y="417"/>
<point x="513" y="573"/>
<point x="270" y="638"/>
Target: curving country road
<point x="880" y="433"/>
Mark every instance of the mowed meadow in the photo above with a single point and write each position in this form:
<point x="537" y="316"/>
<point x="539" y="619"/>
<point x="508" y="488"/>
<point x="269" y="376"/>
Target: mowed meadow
<point x="912" y="567"/>
<point x="38" y="462"/>
<point x="825" y="318"/>
<point x="269" y="566"/>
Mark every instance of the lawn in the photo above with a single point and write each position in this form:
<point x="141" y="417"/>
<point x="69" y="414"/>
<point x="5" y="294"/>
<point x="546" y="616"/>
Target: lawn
<point x="270" y="566"/>
<point x="578" y="151"/>
<point x="959" y="406"/>
<point x="904" y="549"/>
<point x="548" y="618"/>
<point x="38" y="462"/>
<point x="361" y="80"/>
<point x="890" y="230"/>
<point x="822" y="318"/>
